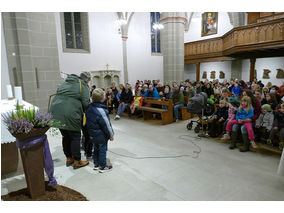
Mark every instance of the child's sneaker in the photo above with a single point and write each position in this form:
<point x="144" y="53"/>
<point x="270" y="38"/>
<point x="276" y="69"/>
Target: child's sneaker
<point x="253" y="144"/>
<point x="96" y="167"/>
<point x="106" y="169"/>
<point x="116" y="117"/>
<point x="225" y="137"/>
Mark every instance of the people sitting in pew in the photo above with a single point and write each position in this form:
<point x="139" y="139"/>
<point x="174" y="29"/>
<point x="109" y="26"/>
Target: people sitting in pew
<point x="144" y="89"/>
<point x="126" y="98"/>
<point x="236" y="90"/>
<point x="189" y="91"/>
<point x="208" y="90"/>
<point x="256" y="104"/>
<point x="270" y="99"/>
<point x="136" y="103"/>
<point x="178" y="100"/>
<point x="263" y="124"/>
<point x="215" y="125"/>
<point x="151" y="92"/>
<point x="243" y="117"/>
<point x="233" y="105"/>
<point x="278" y="126"/>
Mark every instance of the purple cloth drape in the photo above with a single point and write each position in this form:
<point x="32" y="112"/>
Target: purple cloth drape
<point x="48" y="163"/>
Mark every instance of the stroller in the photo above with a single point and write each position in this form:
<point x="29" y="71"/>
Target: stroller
<point x="199" y="105"/>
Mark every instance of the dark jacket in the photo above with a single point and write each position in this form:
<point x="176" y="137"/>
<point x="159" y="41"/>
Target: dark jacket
<point x="279" y="119"/>
<point x="272" y="103"/>
<point x="222" y="113"/>
<point x="198" y="90"/>
<point x="126" y="97"/>
<point x="166" y="95"/>
<point x="256" y="110"/>
<point x="114" y="91"/>
<point x="98" y="123"/>
<point x="178" y="97"/>
<point x="209" y="91"/>
<point x="70" y="102"/>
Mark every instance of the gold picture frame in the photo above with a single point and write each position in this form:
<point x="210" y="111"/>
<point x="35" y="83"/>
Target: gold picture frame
<point x="209" y="23"/>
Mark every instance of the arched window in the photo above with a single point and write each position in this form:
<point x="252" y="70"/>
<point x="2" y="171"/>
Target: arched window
<point x="75" y="32"/>
<point x="155" y="33"/>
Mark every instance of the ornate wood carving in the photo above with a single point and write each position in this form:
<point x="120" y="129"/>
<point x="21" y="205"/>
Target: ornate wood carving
<point x="212" y="74"/>
<point x="280" y="73"/>
<point x="257" y="37"/>
<point x="222" y="75"/>
<point x="266" y="73"/>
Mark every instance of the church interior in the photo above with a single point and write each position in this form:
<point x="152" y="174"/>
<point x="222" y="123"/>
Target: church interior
<point x="160" y="150"/>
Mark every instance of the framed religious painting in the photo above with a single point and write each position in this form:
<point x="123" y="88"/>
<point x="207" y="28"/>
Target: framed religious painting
<point x="209" y="23"/>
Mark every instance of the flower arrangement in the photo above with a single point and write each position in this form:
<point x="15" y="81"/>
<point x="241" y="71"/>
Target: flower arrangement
<point x="24" y="121"/>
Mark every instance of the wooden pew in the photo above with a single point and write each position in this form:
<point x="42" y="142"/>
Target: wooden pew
<point x="183" y="110"/>
<point x="166" y="114"/>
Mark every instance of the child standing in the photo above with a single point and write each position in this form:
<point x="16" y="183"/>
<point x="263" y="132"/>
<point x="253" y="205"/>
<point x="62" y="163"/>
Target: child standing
<point x="264" y="123"/>
<point x="243" y="117"/>
<point x="137" y="102"/>
<point x="278" y="125"/>
<point x="100" y="130"/>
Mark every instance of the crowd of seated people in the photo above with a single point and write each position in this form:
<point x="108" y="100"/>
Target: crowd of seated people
<point x="254" y="109"/>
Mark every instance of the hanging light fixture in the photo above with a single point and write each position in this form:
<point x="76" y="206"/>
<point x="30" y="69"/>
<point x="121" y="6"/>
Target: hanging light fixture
<point x="158" y="26"/>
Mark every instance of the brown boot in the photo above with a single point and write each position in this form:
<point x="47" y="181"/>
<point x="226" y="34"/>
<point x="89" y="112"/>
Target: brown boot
<point x="80" y="163"/>
<point x="69" y="161"/>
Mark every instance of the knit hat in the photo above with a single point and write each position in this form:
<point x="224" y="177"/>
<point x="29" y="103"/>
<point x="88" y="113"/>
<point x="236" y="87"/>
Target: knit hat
<point x="266" y="106"/>
<point x="85" y="76"/>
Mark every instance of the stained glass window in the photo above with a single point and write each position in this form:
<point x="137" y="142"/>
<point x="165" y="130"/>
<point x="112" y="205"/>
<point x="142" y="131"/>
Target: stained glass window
<point x="73" y="30"/>
<point x="155" y="33"/>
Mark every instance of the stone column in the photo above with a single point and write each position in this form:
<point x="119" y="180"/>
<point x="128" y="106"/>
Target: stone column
<point x="124" y="35"/>
<point x="32" y="54"/>
<point x="236" y="69"/>
<point x="124" y="53"/>
<point x="172" y="40"/>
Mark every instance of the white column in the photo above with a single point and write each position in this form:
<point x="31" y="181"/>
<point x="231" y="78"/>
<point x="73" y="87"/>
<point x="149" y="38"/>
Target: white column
<point x="124" y="49"/>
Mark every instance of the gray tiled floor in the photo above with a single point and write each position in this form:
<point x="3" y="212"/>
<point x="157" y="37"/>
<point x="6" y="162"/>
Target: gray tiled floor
<point x="217" y="174"/>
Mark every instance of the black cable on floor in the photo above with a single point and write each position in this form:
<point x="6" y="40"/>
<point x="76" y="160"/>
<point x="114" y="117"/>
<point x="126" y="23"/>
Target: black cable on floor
<point x="196" y="153"/>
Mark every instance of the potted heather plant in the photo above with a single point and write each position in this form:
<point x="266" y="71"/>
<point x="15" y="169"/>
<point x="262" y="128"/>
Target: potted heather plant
<point x="29" y="126"/>
<point x="27" y="123"/>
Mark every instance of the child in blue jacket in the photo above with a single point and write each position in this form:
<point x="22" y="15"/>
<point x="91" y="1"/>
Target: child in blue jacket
<point x="236" y="90"/>
<point x="243" y="117"/>
<point x="99" y="129"/>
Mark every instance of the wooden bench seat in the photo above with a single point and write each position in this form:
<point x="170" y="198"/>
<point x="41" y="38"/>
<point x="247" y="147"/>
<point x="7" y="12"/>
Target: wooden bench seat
<point x="151" y="109"/>
<point x="166" y="114"/>
<point x="185" y="115"/>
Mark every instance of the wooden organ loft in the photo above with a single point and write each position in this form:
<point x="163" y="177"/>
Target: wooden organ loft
<point x="263" y="36"/>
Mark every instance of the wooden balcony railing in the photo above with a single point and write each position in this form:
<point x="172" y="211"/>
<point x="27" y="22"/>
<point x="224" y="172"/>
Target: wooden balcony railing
<point x="255" y="37"/>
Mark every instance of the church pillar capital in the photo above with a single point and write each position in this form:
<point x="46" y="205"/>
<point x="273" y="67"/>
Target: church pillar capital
<point x="173" y="17"/>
